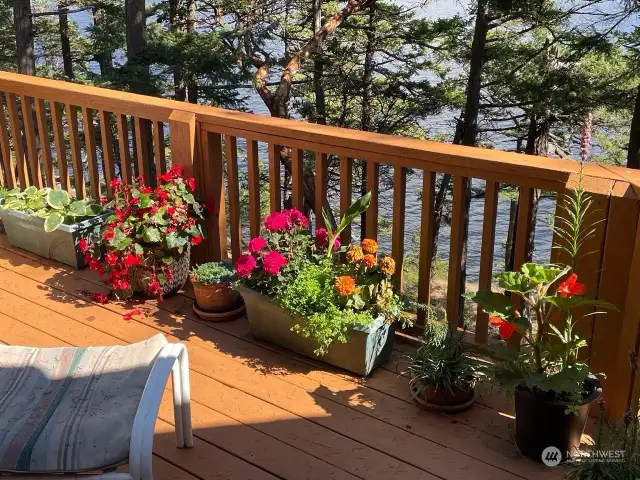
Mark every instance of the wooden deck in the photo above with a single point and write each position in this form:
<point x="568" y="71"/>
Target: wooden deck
<point x="260" y="412"/>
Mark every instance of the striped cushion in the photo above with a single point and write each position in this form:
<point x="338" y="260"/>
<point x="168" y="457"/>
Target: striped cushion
<point x="70" y="409"/>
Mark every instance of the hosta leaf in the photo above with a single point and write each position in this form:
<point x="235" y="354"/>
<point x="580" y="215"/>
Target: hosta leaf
<point x="58" y="199"/>
<point x="53" y="221"/>
<point x="30" y="191"/>
<point x="94" y="209"/>
<point x="78" y="209"/>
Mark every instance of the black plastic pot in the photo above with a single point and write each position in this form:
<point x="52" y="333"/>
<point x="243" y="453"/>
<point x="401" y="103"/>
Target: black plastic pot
<point x="542" y="422"/>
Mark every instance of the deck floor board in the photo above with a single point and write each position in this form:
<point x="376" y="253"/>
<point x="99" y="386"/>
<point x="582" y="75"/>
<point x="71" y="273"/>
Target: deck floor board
<point x="260" y="411"/>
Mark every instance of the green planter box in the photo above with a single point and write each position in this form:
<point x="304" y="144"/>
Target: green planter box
<point x="367" y="347"/>
<point x="27" y="232"/>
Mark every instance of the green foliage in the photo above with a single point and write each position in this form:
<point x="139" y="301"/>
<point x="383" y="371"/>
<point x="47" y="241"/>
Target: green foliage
<point x="55" y="206"/>
<point x="212" y="273"/>
<point x="443" y="360"/>
<point x="355" y="209"/>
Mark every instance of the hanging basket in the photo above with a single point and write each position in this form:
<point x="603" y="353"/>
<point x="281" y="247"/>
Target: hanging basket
<point x="140" y="276"/>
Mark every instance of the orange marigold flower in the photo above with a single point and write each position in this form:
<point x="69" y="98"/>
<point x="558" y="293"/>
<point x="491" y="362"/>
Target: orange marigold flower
<point x="369" y="246"/>
<point x="368" y="260"/>
<point x="354" y="254"/>
<point x="345" y="285"/>
<point x="387" y="265"/>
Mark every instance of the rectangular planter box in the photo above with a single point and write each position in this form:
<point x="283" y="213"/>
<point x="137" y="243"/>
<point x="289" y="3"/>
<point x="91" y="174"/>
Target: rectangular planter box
<point x="366" y="348"/>
<point x="27" y="232"/>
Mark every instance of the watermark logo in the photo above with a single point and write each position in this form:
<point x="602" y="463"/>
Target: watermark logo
<point x="551" y="456"/>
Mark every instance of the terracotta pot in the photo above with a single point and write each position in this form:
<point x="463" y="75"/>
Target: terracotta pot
<point x="218" y="297"/>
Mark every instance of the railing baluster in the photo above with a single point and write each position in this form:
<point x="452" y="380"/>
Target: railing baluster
<point x="30" y="136"/>
<point x="212" y="183"/>
<point x="76" y="154"/>
<point x="45" y="145"/>
<point x="16" y="135"/>
<point x="275" y="194"/>
<point x="142" y="150"/>
<point x="158" y="148"/>
<point x="523" y="230"/>
<point x="90" y="148"/>
<point x="9" y="174"/>
<point x="107" y="150"/>
<point x="320" y="187"/>
<point x="61" y="147"/>
<point x="426" y="242"/>
<point x="486" y="255"/>
<point x="253" y="173"/>
<point x="297" y="180"/>
<point x="397" y="233"/>
<point x="456" y="252"/>
<point x="346" y="182"/>
<point x="123" y="145"/>
<point x="231" y="148"/>
<point x="373" y="172"/>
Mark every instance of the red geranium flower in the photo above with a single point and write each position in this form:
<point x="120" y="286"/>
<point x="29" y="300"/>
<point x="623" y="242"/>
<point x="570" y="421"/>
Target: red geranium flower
<point x="257" y="244"/>
<point x="171" y="210"/>
<point x="82" y="245"/>
<point x="245" y="265"/>
<point x="163" y="195"/>
<point x="131" y="260"/>
<point x="506" y="329"/>
<point x="108" y="235"/>
<point x="571" y="287"/>
<point x="273" y="261"/>
<point x="111" y="258"/>
<point x="197" y="240"/>
<point x="175" y="171"/>
<point x="99" y="297"/>
<point x="495" y="321"/>
<point x="166" y="177"/>
<point x="192" y="184"/>
<point x="277" y="222"/>
<point x="127" y="316"/>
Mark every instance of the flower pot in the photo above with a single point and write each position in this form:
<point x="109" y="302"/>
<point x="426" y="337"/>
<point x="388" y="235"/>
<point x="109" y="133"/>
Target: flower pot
<point x="542" y="422"/>
<point x="218" y="297"/>
<point x="443" y="400"/>
<point x="367" y="347"/>
<point x="27" y="232"/>
<point x="140" y="275"/>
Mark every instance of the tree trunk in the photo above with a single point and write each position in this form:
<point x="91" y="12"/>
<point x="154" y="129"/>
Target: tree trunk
<point x="136" y="36"/>
<point x="192" y="84"/>
<point x="318" y="66"/>
<point x="179" y="87"/>
<point x="104" y="59"/>
<point x="633" y="155"/>
<point x="65" y="44"/>
<point x="23" y="24"/>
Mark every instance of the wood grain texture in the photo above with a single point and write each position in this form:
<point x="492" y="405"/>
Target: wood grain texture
<point x="397" y="226"/>
<point x="426" y="242"/>
<point x="486" y="255"/>
<point x="16" y="140"/>
<point x="456" y="250"/>
<point x="5" y="149"/>
<point x="275" y="189"/>
<point x="320" y="187"/>
<point x="76" y="153"/>
<point x="182" y="137"/>
<point x="35" y="171"/>
<point x="297" y="178"/>
<point x="45" y="144"/>
<point x="373" y="174"/>
<point x="61" y="146"/>
<point x="91" y="151"/>
<point x="213" y="183"/>
<point x="107" y="150"/>
<point x="159" y="148"/>
<point x="253" y="177"/>
<point x="346" y="185"/>
<point x="123" y="145"/>
<point x="140" y="127"/>
<point x="231" y="150"/>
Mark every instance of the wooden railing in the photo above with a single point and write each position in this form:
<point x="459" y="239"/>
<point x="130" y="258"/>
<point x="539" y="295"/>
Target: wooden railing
<point x="123" y="135"/>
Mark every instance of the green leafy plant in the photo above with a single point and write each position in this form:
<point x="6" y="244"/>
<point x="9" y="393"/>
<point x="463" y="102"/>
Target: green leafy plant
<point x="547" y="364"/>
<point x="55" y="206"/>
<point x="443" y="360"/>
<point x="212" y="273"/>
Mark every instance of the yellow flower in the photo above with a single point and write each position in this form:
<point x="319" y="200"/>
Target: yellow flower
<point x="354" y="254"/>
<point x="387" y="266"/>
<point x="345" y="285"/>
<point x="369" y="246"/>
<point x="368" y="260"/>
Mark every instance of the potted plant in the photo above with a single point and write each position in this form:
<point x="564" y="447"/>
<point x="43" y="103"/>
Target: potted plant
<point x="148" y="238"/>
<point x="27" y="214"/>
<point x="443" y="371"/>
<point x="553" y="387"/>
<point x="212" y="286"/>
<point x="299" y="293"/>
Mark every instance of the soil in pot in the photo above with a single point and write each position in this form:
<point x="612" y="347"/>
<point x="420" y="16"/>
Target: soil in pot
<point x="218" y="297"/>
<point x="541" y="422"/>
<point x="442" y="399"/>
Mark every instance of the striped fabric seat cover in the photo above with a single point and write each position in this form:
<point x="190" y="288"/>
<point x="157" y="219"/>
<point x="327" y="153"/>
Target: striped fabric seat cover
<point x="70" y="409"/>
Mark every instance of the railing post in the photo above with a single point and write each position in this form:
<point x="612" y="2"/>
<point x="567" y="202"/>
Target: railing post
<point x="182" y="135"/>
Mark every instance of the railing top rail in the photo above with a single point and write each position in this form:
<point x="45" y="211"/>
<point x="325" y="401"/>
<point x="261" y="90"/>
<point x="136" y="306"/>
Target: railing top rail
<point x="541" y="172"/>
